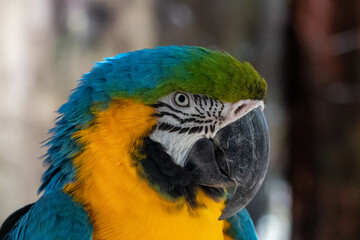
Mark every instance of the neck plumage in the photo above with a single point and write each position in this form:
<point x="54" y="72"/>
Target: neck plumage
<point x="120" y="201"/>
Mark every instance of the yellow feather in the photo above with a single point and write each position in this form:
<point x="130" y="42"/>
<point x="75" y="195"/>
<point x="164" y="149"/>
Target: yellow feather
<point x="120" y="203"/>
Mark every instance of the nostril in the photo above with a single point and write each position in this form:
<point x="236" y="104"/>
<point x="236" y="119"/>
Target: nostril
<point x="238" y="109"/>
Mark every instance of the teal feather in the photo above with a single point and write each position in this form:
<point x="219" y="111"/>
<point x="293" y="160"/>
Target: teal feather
<point x="242" y="226"/>
<point x="54" y="216"/>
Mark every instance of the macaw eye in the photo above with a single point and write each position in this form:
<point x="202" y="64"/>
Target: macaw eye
<point x="181" y="99"/>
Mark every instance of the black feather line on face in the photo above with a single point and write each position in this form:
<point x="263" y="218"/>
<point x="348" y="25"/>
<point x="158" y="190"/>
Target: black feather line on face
<point x="171" y="128"/>
<point x="194" y="130"/>
<point x="211" y="104"/>
<point x="162" y="104"/>
<point x="196" y="97"/>
<point x="172" y="179"/>
<point x="212" y="128"/>
<point x="165" y="126"/>
<point x="180" y="120"/>
<point x="206" y="129"/>
<point x="198" y="116"/>
<point x="184" y="130"/>
<point x="200" y="112"/>
<point x="175" y="129"/>
<point x="201" y="105"/>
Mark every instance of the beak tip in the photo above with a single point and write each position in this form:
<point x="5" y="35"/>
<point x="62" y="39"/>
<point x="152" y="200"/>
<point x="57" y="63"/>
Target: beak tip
<point x="230" y="211"/>
<point x="222" y="217"/>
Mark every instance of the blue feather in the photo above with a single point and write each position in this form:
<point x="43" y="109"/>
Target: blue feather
<point x="54" y="216"/>
<point x="115" y="77"/>
<point x="241" y="226"/>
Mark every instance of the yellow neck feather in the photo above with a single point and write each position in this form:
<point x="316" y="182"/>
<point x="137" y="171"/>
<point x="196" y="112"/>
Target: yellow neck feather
<point x="121" y="204"/>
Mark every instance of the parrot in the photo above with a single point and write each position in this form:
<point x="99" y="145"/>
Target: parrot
<point x="169" y="142"/>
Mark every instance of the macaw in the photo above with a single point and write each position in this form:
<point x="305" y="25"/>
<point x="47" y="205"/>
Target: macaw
<point x="163" y="143"/>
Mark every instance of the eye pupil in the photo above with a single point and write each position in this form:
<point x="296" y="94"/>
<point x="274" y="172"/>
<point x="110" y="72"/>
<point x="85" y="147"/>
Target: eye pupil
<point x="181" y="98"/>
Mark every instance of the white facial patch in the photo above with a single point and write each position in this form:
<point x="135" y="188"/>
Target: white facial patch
<point x="184" y="118"/>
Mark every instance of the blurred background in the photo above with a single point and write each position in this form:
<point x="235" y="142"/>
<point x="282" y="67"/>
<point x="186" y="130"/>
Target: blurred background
<point x="307" y="50"/>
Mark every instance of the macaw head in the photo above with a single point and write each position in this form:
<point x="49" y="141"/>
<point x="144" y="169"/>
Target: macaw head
<point x="192" y="118"/>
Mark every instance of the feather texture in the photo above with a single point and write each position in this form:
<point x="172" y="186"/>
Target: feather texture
<point x="95" y="140"/>
<point x="241" y="227"/>
<point x="145" y="76"/>
<point x="54" y="216"/>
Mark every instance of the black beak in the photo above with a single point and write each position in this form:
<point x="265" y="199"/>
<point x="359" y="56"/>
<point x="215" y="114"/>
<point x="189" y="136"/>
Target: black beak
<point x="237" y="156"/>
